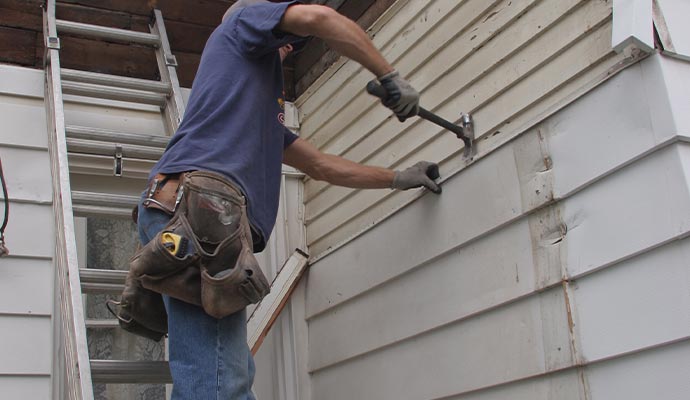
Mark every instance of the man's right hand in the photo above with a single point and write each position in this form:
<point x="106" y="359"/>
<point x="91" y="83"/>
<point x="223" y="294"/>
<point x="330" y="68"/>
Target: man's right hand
<point x="402" y="98"/>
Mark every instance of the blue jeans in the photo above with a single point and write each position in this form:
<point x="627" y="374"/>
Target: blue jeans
<point x="209" y="357"/>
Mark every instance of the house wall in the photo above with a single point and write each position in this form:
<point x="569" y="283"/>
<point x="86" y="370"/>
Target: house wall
<point x="555" y="267"/>
<point x="510" y="63"/>
<point x="26" y="276"/>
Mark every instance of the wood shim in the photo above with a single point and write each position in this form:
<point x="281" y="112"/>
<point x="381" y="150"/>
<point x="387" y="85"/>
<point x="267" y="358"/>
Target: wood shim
<point x="265" y="314"/>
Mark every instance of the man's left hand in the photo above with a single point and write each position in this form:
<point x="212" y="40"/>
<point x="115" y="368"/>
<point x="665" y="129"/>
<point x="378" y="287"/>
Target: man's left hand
<point x="421" y="174"/>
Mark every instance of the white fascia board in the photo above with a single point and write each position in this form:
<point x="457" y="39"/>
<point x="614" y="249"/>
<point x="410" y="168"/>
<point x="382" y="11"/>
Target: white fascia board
<point x="670" y="19"/>
<point x="291" y="117"/>
<point x="632" y="25"/>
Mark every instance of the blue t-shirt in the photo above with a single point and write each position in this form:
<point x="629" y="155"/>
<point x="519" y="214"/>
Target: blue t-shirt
<point x="233" y="124"/>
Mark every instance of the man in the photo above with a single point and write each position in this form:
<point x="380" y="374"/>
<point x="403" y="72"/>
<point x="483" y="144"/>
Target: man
<point x="232" y="128"/>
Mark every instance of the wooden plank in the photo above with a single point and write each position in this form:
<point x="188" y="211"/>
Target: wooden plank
<point x="643" y="295"/>
<point x="203" y="12"/>
<point x="493" y="200"/>
<point x="23" y="336"/>
<point x="17" y="46"/>
<point x="499" y="51"/>
<point x="386" y="146"/>
<point x="26" y="387"/>
<point x="656" y="373"/>
<point x="26" y="286"/>
<point x="453" y="360"/>
<point x="21" y="14"/>
<point x="309" y="75"/>
<point x="268" y="310"/>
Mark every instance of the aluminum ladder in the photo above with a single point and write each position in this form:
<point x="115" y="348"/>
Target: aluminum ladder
<point x="73" y="372"/>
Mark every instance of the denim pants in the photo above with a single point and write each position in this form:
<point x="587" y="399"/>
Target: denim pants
<point x="209" y="357"/>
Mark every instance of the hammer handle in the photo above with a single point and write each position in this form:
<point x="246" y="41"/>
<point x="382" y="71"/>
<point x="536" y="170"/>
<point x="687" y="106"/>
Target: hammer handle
<point x="379" y="91"/>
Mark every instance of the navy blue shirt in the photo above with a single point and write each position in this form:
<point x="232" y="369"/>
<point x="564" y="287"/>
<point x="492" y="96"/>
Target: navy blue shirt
<point x="233" y="124"/>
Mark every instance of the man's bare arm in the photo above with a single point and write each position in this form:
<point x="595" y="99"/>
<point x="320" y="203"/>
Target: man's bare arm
<point x="336" y="170"/>
<point x="338" y="31"/>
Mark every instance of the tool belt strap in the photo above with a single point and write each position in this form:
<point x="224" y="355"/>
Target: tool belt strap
<point x="163" y="193"/>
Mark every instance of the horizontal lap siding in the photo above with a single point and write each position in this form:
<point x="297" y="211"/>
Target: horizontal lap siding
<point x="554" y="263"/>
<point x="26" y="275"/>
<point x="507" y="62"/>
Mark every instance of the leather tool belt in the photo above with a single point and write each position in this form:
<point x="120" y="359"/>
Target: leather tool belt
<point x="203" y="256"/>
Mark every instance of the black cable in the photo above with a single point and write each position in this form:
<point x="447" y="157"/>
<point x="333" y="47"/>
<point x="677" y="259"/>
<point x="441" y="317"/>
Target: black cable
<point x="3" y="249"/>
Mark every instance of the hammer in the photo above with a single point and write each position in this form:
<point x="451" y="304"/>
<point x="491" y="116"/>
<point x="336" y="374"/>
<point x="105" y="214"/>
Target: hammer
<point x="464" y="131"/>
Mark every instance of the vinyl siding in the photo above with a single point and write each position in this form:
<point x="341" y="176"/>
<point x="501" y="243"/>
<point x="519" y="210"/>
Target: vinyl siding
<point x="26" y="275"/>
<point x="553" y="267"/>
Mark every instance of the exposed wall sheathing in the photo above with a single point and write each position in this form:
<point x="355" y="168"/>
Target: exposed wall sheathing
<point x="509" y="62"/>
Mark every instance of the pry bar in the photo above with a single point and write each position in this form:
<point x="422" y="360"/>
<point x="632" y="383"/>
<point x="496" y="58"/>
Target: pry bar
<point x="464" y="131"/>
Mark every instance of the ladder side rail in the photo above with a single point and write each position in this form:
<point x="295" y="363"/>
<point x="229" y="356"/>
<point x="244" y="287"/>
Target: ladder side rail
<point x="167" y="66"/>
<point x="71" y="361"/>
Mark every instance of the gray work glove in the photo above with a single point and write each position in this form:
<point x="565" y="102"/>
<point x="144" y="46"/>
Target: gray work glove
<point x="421" y="174"/>
<point x="402" y="98"/>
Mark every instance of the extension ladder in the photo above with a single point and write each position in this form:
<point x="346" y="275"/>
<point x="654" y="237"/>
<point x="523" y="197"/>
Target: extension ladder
<point x="117" y="154"/>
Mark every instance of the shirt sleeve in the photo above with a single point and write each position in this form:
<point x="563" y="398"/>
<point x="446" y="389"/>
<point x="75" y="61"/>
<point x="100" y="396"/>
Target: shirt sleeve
<point x="288" y="138"/>
<point x="256" y="28"/>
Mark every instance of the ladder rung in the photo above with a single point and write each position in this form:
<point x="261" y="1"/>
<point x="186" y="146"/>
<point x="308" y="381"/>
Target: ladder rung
<point x="104" y="135"/>
<point x="114" y="80"/>
<point x="103" y="204"/>
<point x="102" y="281"/>
<point x="104" y="199"/>
<point x="121" y="371"/>
<point x="103" y="32"/>
<point x="110" y="149"/>
<point x="113" y="93"/>
<point x="109" y="276"/>
<point x="102" y="323"/>
<point x="101" y="288"/>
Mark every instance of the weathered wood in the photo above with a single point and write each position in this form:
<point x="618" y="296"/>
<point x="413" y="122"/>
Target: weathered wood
<point x="20" y="14"/>
<point x="310" y="69"/>
<point x="202" y="12"/>
<point x="17" y="46"/>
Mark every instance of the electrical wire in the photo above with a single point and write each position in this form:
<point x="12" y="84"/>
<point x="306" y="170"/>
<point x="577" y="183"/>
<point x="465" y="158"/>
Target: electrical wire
<point x="3" y="249"/>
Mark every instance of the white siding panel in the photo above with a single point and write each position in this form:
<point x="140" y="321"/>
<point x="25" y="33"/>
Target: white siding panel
<point x="558" y="386"/>
<point x="496" y="269"/>
<point x="455" y="359"/>
<point x="23" y="121"/>
<point x="657" y="374"/>
<point x="30" y="230"/>
<point x="635" y="304"/>
<point x="630" y="211"/>
<point x="25" y="388"/>
<point x="472" y="205"/>
<point x="26" y="286"/>
<point x="413" y="148"/>
<point x="25" y="347"/>
<point x="27" y="174"/>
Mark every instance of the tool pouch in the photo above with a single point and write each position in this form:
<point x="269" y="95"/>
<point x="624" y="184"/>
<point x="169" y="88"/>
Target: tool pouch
<point x="140" y="311"/>
<point x="204" y="256"/>
<point x="170" y="271"/>
<point x="231" y="277"/>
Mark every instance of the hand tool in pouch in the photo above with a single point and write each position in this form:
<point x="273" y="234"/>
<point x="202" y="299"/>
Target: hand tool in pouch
<point x="464" y="131"/>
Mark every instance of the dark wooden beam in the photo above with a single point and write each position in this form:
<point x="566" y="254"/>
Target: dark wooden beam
<point x="17" y="46"/>
<point x="307" y="72"/>
<point x="202" y="12"/>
